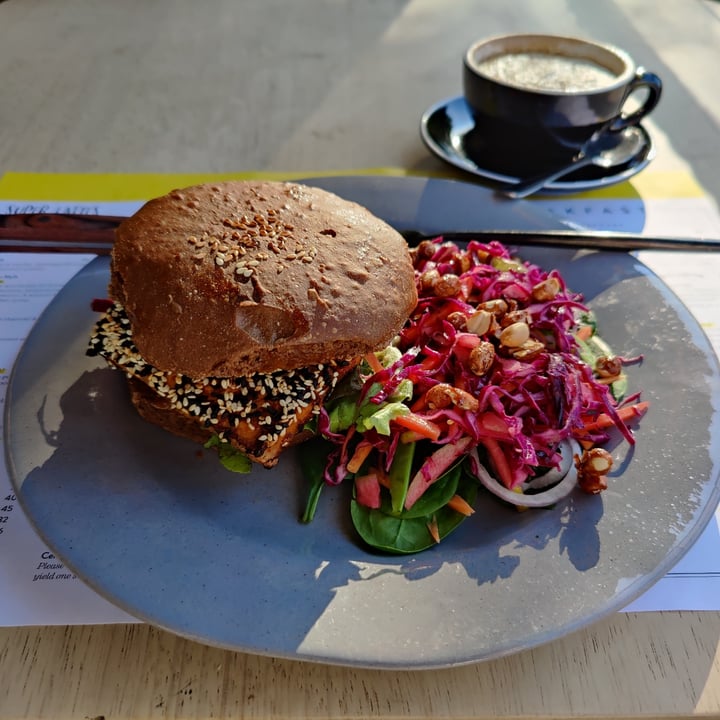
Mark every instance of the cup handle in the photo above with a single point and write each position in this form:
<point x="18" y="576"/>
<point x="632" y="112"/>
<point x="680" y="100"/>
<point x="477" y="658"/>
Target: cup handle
<point x="649" y="80"/>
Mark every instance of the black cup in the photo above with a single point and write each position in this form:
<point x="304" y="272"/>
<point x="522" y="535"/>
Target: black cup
<point x="537" y="108"/>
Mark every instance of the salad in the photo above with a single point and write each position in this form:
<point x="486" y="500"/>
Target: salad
<point x="499" y="380"/>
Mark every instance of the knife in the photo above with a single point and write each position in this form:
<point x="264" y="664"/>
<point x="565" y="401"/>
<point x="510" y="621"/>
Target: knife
<point x="57" y="232"/>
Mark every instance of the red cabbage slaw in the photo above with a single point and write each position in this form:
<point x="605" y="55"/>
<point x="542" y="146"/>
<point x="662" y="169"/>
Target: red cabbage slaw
<point x="496" y="365"/>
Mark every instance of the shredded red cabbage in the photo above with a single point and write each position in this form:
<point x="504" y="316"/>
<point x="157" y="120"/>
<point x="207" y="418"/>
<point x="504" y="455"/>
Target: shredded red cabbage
<point x="532" y="398"/>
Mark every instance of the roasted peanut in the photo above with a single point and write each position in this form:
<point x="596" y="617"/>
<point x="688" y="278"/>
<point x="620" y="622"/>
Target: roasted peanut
<point x="444" y="395"/>
<point x="480" y="322"/>
<point x="462" y="263"/>
<point x="529" y="350"/>
<point x="425" y="250"/>
<point x="447" y="285"/>
<point x="546" y="289"/>
<point x="608" y="366"/>
<point x="513" y="316"/>
<point x="496" y="307"/>
<point x="481" y="358"/>
<point x="458" y="320"/>
<point x="513" y="336"/>
<point x="592" y="467"/>
<point x="429" y="278"/>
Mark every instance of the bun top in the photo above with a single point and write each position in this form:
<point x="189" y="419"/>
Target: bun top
<point x="240" y="277"/>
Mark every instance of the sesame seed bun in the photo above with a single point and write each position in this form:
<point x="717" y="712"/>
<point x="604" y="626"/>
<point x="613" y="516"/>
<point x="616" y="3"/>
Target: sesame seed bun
<point x="237" y="278"/>
<point x="238" y="307"/>
<point x="259" y="414"/>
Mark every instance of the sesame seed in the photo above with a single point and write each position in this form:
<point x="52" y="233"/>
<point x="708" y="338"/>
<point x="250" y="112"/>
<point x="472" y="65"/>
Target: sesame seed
<point x="228" y="406"/>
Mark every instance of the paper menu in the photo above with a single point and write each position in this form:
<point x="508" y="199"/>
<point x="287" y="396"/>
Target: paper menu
<point x="694" y="583"/>
<point x="35" y="588"/>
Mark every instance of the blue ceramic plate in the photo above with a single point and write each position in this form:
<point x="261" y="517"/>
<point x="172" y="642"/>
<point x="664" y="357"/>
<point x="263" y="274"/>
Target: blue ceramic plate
<point x="165" y="533"/>
<point x="448" y="130"/>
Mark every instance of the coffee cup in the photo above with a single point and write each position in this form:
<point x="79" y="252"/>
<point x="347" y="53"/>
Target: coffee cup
<point x="537" y="99"/>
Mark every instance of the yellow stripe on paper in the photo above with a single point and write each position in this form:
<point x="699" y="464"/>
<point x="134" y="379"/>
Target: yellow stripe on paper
<point x="99" y="187"/>
<point x="108" y="187"/>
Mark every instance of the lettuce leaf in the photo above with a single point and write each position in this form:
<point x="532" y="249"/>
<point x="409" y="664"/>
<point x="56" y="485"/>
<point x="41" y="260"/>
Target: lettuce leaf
<point x="231" y="458"/>
<point x="381" y="418"/>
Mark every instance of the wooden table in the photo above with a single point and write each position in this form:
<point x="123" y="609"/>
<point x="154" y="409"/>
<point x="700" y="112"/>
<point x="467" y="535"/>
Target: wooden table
<point x="326" y="85"/>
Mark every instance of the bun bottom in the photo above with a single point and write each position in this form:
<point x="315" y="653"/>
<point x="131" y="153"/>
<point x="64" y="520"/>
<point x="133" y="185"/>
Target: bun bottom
<point x="159" y="411"/>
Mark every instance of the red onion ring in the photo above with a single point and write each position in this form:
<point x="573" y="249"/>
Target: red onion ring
<point x="542" y="499"/>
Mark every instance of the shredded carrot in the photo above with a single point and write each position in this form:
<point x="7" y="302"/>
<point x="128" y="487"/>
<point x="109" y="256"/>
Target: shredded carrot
<point x="498" y="460"/>
<point x="432" y="527"/>
<point x="419" y="425"/>
<point x="460" y="505"/>
<point x="584" y="332"/>
<point x="383" y="478"/>
<point x="419" y="404"/>
<point x="373" y="362"/>
<point x="626" y="414"/>
<point x="359" y="457"/>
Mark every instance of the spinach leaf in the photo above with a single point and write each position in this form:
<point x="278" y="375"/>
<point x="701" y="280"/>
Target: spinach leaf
<point x="312" y="463"/>
<point x="408" y="532"/>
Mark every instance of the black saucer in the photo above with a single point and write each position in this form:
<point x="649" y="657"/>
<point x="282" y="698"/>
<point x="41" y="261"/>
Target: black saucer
<point x="448" y="130"/>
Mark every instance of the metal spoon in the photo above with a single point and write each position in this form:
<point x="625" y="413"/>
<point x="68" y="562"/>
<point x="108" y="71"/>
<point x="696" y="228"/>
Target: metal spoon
<point x="605" y="149"/>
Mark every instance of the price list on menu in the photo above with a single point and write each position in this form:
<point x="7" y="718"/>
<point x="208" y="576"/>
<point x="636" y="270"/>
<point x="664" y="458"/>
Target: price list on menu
<point x="37" y="588"/>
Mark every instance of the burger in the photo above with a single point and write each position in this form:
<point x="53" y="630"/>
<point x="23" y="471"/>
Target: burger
<point x="235" y="308"/>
